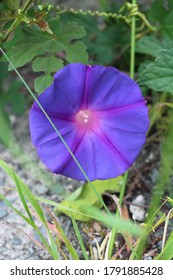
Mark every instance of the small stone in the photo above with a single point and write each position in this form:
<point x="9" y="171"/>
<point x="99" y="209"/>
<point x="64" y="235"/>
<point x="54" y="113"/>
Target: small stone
<point x="96" y="241"/>
<point x="148" y="258"/>
<point x="3" y="213"/>
<point x="154" y="176"/>
<point x="41" y="189"/>
<point x="31" y="250"/>
<point x="150" y="158"/>
<point x="159" y="244"/>
<point x="138" y="212"/>
<point x="4" y="251"/>
<point x="16" y="241"/>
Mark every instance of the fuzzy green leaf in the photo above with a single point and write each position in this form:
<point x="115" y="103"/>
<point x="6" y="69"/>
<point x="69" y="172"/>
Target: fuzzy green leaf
<point x="152" y="46"/>
<point x="42" y="82"/>
<point x="162" y="15"/>
<point x="5" y="128"/>
<point x="23" y="53"/>
<point x="47" y="64"/>
<point x="13" y="4"/>
<point x="101" y="41"/>
<point x="159" y="74"/>
<point x="15" y="98"/>
<point x="86" y="196"/>
<point x="49" y="51"/>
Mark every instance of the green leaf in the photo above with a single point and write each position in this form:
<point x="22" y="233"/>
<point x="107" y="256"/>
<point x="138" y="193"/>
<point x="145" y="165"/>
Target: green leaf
<point x="10" y="92"/>
<point x="86" y="195"/>
<point x="152" y="46"/>
<point x="66" y="41"/>
<point x="159" y="74"/>
<point x="15" y="98"/>
<point x="25" y="193"/>
<point x="162" y="15"/>
<point x="42" y="82"/>
<point x="47" y="64"/>
<point x="122" y="225"/>
<point x="13" y="4"/>
<point x="93" y="212"/>
<point x="101" y="41"/>
<point x="50" y="50"/>
<point x="5" y="128"/>
<point x="4" y="72"/>
<point x="68" y="244"/>
<point x="167" y="253"/>
<point x="79" y="237"/>
<point x="23" y="53"/>
<point x="24" y="189"/>
<point x="157" y="11"/>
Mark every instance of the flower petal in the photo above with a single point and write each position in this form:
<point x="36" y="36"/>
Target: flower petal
<point x="65" y="95"/>
<point x="54" y="154"/>
<point x="97" y="159"/>
<point x="42" y="131"/>
<point x="109" y="88"/>
<point x="130" y="119"/>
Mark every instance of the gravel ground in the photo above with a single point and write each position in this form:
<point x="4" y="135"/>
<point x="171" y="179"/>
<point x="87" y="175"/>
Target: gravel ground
<point x="14" y="244"/>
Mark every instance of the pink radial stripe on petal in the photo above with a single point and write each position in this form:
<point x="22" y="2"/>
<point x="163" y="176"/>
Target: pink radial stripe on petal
<point x="97" y="162"/>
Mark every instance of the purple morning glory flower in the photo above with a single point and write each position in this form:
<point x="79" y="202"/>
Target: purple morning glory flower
<point x="101" y="115"/>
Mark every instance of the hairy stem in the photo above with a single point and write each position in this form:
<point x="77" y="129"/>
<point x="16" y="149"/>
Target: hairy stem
<point x="123" y="189"/>
<point x="132" y="53"/>
<point x="17" y="21"/>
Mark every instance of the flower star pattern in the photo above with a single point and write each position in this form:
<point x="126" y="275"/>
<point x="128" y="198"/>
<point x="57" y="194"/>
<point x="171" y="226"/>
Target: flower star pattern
<point x="101" y="115"/>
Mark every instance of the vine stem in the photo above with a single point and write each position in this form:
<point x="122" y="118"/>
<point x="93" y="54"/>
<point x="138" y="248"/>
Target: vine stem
<point x="17" y="21"/>
<point x="132" y="53"/>
<point x="123" y="189"/>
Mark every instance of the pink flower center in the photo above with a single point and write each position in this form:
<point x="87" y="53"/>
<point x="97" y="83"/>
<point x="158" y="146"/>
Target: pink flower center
<point x="86" y="119"/>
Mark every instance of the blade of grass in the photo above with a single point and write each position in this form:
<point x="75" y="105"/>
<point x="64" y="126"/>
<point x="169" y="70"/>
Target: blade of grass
<point x="79" y="237"/>
<point x="29" y="163"/>
<point x="94" y="213"/>
<point x="114" y="230"/>
<point x="166" y="228"/>
<point x="110" y="220"/>
<point x="64" y="237"/>
<point x="167" y="253"/>
<point x="24" y="191"/>
<point x="36" y="242"/>
<point x="28" y="221"/>
<point x="159" y="189"/>
<point x="22" y="198"/>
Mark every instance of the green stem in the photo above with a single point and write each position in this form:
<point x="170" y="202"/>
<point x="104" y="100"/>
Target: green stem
<point x="132" y="53"/>
<point x="17" y="21"/>
<point x="123" y="189"/>
<point x="114" y="230"/>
